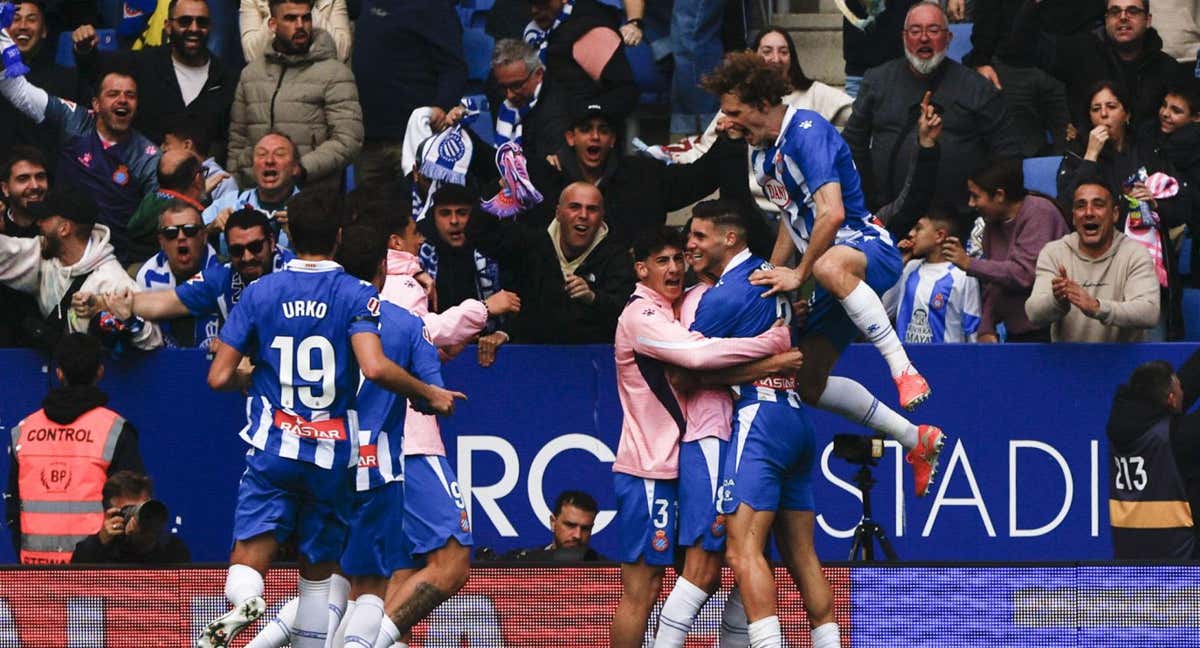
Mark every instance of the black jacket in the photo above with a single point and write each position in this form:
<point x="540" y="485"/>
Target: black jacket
<point x="526" y="253"/>
<point x="159" y="97"/>
<point x="56" y="80"/>
<point x="993" y="21"/>
<point x="1132" y="416"/>
<point x="63" y="405"/>
<point x="880" y="43"/>
<point x="170" y="549"/>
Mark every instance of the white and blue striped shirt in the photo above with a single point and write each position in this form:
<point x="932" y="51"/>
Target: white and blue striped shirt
<point x="934" y="302"/>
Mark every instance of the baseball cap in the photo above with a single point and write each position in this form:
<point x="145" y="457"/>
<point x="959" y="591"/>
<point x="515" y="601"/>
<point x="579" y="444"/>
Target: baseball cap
<point x="587" y="108"/>
<point x="70" y="203"/>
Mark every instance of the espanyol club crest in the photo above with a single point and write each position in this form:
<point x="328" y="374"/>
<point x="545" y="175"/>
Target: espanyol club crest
<point x="464" y="523"/>
<point x="121" y="175"/>
<point x="718" y="526"/>
<point x="776" y="192"/>
<point x="939" y="301"/>
<point x="452" y="147"/>
<point x="660" y="541"/>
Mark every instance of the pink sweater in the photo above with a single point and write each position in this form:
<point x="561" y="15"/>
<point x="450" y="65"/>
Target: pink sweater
<point x="649" y="337"/>
<point x="709" y="412"/>
<point x="453" y="326"/>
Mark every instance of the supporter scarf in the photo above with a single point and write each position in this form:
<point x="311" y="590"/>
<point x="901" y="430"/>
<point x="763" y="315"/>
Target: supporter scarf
<point x="537" y="37"/>
<point x="444" y="157"/>
<point x="487" y="271"/>
<point x="1141" y="224"/>
<point x="518" y="193"/>
<point x="509" y="118"/>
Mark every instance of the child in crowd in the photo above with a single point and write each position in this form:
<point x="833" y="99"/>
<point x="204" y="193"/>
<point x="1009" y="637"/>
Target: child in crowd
<point x="934" y="301"/>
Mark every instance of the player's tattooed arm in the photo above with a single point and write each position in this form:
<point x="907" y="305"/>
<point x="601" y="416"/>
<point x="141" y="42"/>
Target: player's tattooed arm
<point x="418" y="606"/>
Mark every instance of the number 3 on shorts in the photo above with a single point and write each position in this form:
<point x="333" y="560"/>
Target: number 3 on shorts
<point x="662" y="514"/>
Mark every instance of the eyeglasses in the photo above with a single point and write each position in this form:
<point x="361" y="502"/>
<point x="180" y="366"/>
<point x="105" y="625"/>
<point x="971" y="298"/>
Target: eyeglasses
<point x="171" y="233"/>
<point x="202" y="22"/>
<point x="516" y="87"/>
<point x="1132" y="12"/>
<point x="915" y="31"/>
<point x="255" y="246"/>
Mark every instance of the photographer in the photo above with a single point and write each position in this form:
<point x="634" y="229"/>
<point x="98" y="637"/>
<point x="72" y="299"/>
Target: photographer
<point x="133" y="529"/>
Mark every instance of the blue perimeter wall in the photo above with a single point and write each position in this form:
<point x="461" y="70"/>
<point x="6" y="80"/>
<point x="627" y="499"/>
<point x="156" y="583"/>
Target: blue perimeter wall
<point x="1024" y="475"/>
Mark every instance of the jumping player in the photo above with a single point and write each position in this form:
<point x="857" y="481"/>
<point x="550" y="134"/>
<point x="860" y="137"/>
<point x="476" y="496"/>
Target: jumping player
<point x="648" y="339"/>
<point x="310" y="329"/>
<point x="767" y="476"/>
<point x="805" y="167"/>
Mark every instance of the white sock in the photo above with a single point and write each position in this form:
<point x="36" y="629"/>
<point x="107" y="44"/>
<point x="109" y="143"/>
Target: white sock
<point x="363" y="628"/>
<point x="278" y="632"/>
<point x="339" y="635"/>
<point x="242" y="583"/>
<point x="766" y="633"/>
<point x="863" y="307"/>
<point x="734" y="632"/>
<point x="388" y="634"/>
<point x="678" y="613"/>
<point x="826" y="636"/>
<point x="312" y="615"/>
<point x="339" y="590"/>
<point x="851" y="400"/>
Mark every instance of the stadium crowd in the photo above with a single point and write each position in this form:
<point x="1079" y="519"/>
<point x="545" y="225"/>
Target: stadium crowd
<point x="149" y="182"/>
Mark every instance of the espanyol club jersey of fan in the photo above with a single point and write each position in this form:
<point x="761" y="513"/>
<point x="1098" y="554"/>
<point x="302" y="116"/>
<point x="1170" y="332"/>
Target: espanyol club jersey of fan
<point x="218" y="288"/>
<point x="380" y="411"/>
<point x="296" y="326"/>
<point x="808" y="154"/>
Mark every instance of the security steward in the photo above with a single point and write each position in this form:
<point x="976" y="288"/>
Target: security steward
<point x="63" y="454"/>
<point x="1154" y="451"/>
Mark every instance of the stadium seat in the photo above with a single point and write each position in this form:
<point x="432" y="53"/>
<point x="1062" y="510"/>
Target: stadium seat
<point x="482" y="126"/>
<point x="64" y="54"/>
<point x="1041" y="174"/>
<point x="620" y="6"/>
<point x="477" y="49"/>
<point x="960" y="45"/>
<point x="653" y="85"/>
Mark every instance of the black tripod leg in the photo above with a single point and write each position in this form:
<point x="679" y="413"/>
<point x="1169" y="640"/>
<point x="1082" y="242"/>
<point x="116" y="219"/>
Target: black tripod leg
<point x="885" y="543"/>
<point x="856" y="547"/>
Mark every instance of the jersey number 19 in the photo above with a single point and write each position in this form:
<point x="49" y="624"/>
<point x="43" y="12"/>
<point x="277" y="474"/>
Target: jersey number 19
<point x="299" y="359"/>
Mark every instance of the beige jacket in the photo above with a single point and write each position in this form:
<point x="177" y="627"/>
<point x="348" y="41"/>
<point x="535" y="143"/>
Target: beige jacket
<point x="1122" y="279"/>
<point x="329" y="15"/>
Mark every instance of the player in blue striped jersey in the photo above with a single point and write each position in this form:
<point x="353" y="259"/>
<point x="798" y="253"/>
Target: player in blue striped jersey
<point x="309" y="328"/>
<point x="805" y="167"/>
<point x="934" y="301"/>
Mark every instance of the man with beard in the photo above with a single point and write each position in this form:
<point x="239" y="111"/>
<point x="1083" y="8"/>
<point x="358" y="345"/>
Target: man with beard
<point x="23" y="181"/>
<point x="29" y="31"/>
<point x="99" y="150"/>
<point x="72" y="253"/>
<point x="276" y="169"/>
<point x="183" y="252"/>
<point x="301" y="89"/>
<point x="882" y="131"/>
<point x="182" y="77"/>
<point x="214" y="291"/>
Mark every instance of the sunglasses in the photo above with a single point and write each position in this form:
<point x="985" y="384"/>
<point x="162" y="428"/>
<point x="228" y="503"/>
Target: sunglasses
<point x="201" y="22"/>
<point x="171" y="233"/>
<point x="256" y="246"/>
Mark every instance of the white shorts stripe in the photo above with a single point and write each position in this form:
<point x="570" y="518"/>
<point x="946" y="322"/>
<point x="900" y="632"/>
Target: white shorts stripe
<point x="711" y="447"/>
<point x="745" y="417"/>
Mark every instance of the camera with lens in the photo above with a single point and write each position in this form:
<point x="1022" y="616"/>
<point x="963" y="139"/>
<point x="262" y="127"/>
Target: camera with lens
<point x="151" y="517"/>
<point x="857" y="449"/>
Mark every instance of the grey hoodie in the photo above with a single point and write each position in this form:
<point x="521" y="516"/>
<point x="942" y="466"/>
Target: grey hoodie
<point x="1123" y="279"/>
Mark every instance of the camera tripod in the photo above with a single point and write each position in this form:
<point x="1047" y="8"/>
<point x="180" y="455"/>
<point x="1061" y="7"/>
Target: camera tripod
<point x="868" y="530"/>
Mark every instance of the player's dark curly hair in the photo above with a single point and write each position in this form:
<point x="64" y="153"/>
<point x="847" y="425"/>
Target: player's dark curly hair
<point x="749" y="77"/>
<point x="648" y="243"/>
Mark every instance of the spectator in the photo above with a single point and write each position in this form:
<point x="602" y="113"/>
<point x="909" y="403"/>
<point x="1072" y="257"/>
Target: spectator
<point x="934" y="301"/>
<point x="1154" y="494"/>
<point x="1175" y="136"/>
<point x="134" y="527"/>
<point x="882" y="130"/>
<point x="638" y="191"/>
<point x="572" y="278"/>
<point x="775" y="45"/>
<point x="187" y="133"/>
<point x="317" y="107"/>
<point x="1127" y="51"/>
<point x="1179" y="28"/>
<point x="180" y="178"/>
<point x="992" y="37"/>
<point x="276" y="171"/>
<point x="571" y="525"/>
<point x="1114" y="154"/>
<point x="61" y="456"/>
<point x="71" y="253"/>
<point x="184" y="76"/>
<point x="99" y="150"/>
<point x="697" y="50"/>
<point x="585" y="60"/>
<point x="1017" y="225"/>
<point x="870" y="46"/>
<point x="25" y="180"/>
<point x="520" y="117"/>
<point x="410" y="55"/>
<point x="329" y="15"/>
<point x="1121" y="300"/>
<point x="183" y="254"/>
<point x="30" y="33"/>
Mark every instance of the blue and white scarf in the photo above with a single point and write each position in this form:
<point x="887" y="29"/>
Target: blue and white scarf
<point x="487" y="275"/>
<point x="445" y="157"/>
<point x="155" y="274"/>
<point x="509" y="118"/>
<point x="537" y="37"/>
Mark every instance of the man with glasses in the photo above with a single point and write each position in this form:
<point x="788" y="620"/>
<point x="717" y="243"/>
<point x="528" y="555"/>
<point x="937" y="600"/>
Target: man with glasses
<point x="519" y="73"/>
<point x="183" y="76"/>
<point x="211" y="293"/>
<point x="882" y="131"/>
<point x="1128" y="51"/>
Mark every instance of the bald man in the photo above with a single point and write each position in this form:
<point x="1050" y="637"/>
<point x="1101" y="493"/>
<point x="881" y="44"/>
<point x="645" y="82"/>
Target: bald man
<point x="573" y="279"/>
<point x="180" y="178"/>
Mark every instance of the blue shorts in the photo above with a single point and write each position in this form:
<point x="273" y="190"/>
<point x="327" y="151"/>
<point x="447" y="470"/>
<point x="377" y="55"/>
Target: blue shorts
<point x="377" y="545"/>
<point x="646" y="512"/>
<point x="827" y="317"/>
<point x="770" y="460"/>
<point x="434" y="510"/>
<point x="700" y="465"/>
<point x="293" y="498"/>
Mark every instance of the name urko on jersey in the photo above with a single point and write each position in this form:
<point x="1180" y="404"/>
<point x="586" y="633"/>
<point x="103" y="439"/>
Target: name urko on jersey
<point x="304" y="308"/>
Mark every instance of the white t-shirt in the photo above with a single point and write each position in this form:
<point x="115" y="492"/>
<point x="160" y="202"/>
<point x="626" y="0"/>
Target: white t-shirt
<point x="191" y="80"/>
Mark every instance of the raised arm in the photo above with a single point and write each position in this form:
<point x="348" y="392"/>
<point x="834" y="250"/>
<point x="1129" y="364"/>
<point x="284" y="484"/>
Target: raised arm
<point x="377" y="368"/>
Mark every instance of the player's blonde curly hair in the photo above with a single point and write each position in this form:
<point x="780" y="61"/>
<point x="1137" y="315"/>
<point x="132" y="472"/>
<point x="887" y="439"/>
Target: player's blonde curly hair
<point x="749" y="77"/>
